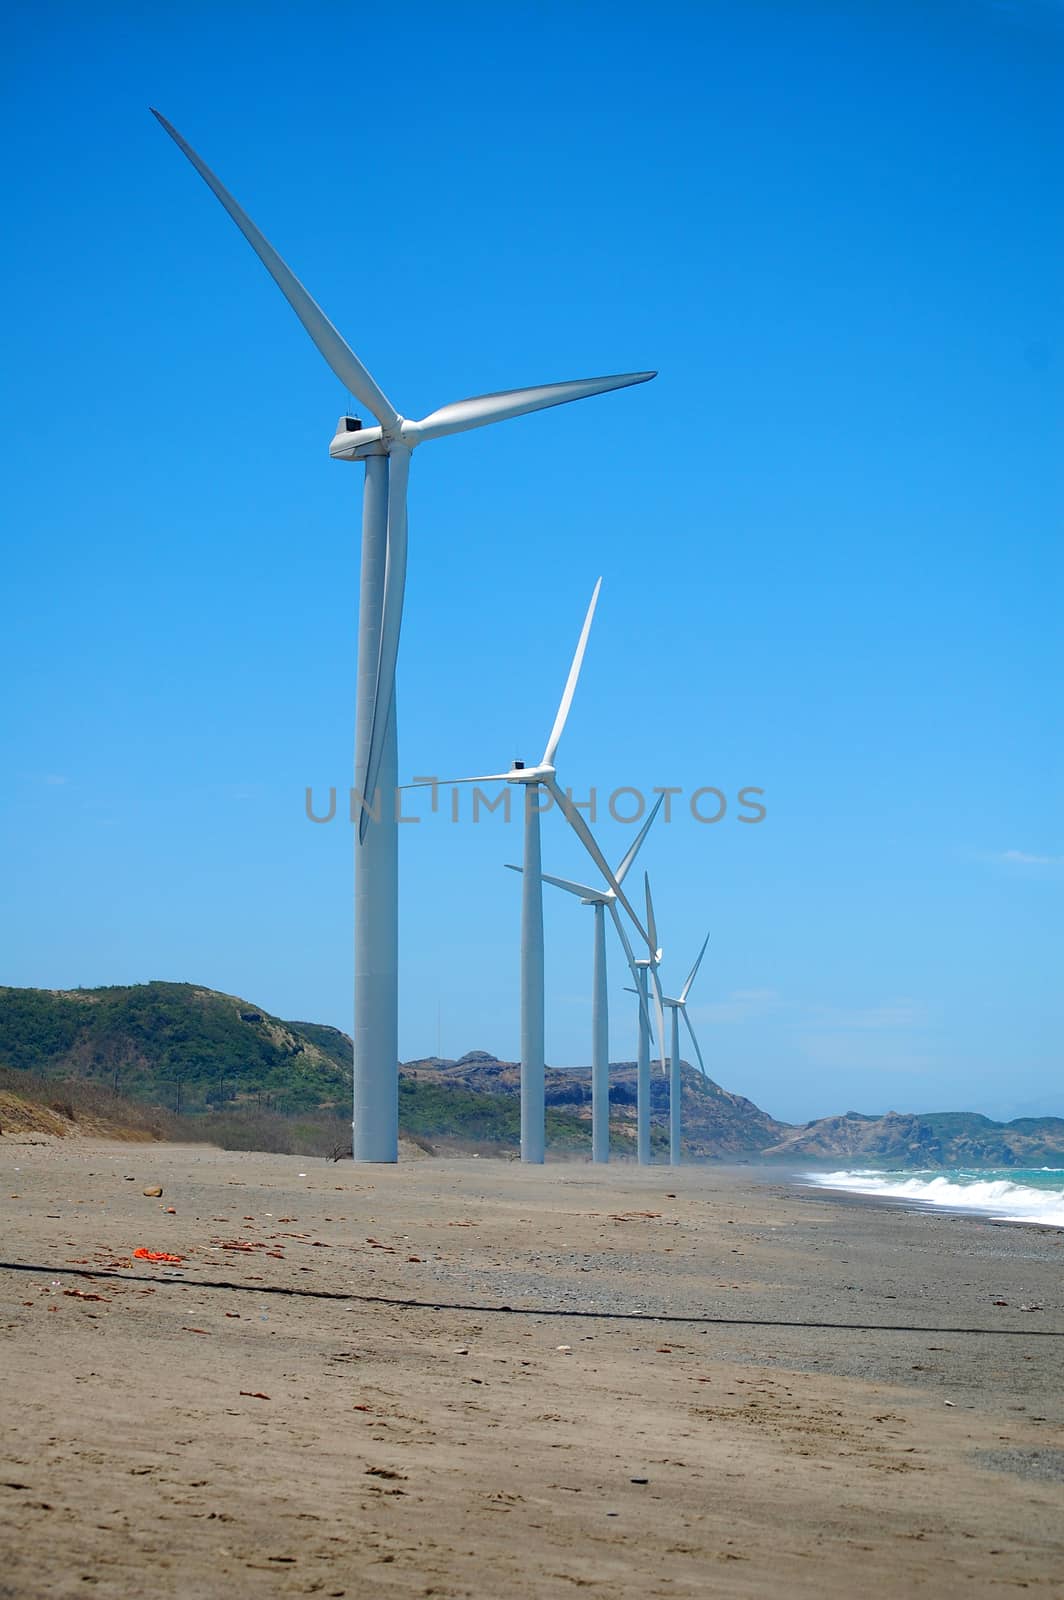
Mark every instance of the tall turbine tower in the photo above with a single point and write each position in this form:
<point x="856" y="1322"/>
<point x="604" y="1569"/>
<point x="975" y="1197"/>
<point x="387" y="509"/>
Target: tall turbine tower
<point x="675" y="1088"/>
<point x="602" y="900"/>
<point x="533" y="780"/>
<point x="647" y="972"/>
<point x="386" y="451"/>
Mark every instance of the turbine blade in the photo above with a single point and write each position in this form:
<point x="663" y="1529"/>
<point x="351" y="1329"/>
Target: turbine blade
<point x="461" y="415"/>
<point x="391" y="623"/>
<point x="571" y="682"/>
<point x="652" y="927"/>
<point x="640" y="836"/>
<point x="563" y="883"/>
<point x="659" y="1005"/>
<point x="694" y="1041"/>
<point x="587" y="839"/>
<point x="626" y="944"/>
<point x="449" y="783"/>
<point x="337" y="352"/>
<point x="630" y="958"/>
<point x="580" y="889"/>
<point x="686" y="990"/>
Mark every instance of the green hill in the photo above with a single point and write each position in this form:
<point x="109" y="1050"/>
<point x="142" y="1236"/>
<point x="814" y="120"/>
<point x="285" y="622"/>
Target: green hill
<point x="174" y="1044"/>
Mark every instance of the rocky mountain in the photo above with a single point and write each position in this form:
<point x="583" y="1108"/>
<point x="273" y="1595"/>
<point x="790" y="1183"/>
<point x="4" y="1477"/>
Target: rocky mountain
<point x="716" y="1122"/>
<point x="937" y="1139"/>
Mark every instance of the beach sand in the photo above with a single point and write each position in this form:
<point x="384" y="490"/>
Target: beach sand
<point x="398" y="1389"/>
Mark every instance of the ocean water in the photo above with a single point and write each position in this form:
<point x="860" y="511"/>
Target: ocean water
<point x="1012" y="1194"/>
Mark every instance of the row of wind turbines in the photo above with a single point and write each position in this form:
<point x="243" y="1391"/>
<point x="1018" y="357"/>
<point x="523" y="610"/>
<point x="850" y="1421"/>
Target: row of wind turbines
<point x="385" y="451"/>
<point x="644" y="970"/>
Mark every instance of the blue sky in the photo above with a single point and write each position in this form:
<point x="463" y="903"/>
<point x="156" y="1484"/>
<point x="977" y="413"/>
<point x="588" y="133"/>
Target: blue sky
<point x="829" y="531"/>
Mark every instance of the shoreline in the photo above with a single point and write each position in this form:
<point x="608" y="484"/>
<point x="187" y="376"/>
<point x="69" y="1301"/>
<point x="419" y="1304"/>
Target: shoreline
<point x="918" y="1205"/>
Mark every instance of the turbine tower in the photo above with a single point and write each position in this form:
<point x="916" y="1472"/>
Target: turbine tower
<point x="385" y="450"/>
<point x="647" y="969"/>
<point x="679" y="1007"/>
<point x="533" y="779"/>
<point x="602" y="900"/>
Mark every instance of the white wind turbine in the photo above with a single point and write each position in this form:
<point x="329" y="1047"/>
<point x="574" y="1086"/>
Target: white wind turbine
<point x="602" y="900"/>
<point x="386" y="450"/>
<point x="678" y="1008"/>
<point x="543" y="776"/>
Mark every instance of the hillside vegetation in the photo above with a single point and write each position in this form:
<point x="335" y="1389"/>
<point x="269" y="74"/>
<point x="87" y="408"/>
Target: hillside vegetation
<point x="30" y="1104"/>
<point x="174" y="1044"/>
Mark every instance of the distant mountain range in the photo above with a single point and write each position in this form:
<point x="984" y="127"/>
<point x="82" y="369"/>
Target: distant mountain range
<point x="934" y="1139"/>
<point x="195" y="1050"/>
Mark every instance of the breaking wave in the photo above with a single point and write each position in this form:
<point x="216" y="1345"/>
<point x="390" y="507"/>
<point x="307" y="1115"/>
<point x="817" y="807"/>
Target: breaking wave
<point x="1028" y="1196"/>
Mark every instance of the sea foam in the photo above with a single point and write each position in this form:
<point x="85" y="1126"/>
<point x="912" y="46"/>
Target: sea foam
<point x="991" y="1195"/>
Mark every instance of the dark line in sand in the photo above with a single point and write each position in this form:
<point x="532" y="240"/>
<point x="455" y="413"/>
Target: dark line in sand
<point x="520" y="1311"/>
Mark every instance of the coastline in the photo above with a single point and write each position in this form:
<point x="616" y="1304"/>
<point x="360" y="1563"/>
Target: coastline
<point x="985" y="1211"/>
<point x="843" y="1382"/>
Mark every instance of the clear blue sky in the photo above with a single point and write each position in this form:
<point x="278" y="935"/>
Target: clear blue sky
<point x="829" y="531"/>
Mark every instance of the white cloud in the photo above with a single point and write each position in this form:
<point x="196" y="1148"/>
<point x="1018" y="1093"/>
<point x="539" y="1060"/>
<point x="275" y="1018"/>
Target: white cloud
<point x="1024" y="858"/>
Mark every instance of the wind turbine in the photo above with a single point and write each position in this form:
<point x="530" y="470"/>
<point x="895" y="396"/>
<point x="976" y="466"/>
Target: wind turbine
<point x="386" y="451"/>
<point x="602" y="900"/>
<point x="679" y="1007"/>
<point x="543" y="776"/>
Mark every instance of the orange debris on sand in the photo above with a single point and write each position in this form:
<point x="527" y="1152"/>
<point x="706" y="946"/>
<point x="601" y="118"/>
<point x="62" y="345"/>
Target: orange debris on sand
<point x="155" y="1255"/>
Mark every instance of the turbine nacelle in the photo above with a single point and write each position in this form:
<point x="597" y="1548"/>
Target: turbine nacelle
<point x="519" y="773"/>
<point x="353" y="442"/>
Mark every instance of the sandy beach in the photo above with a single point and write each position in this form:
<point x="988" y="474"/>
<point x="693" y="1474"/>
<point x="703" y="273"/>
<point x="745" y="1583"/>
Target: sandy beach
<point x="466" y="1378"/>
